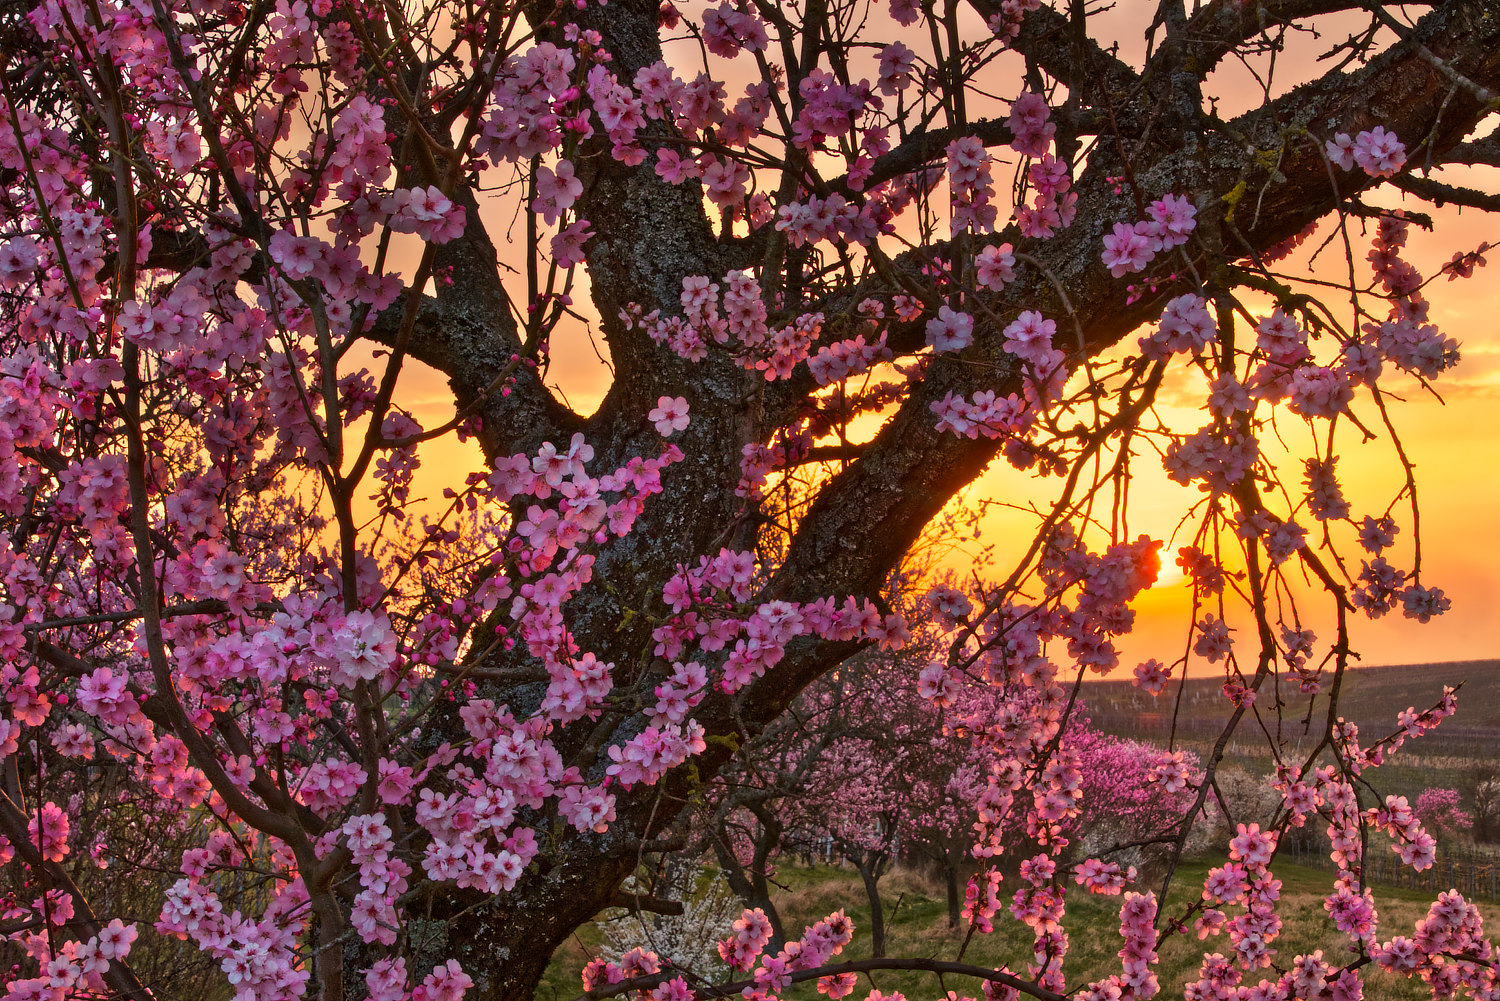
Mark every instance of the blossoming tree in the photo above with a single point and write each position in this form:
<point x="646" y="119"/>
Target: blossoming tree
<point x="407" y="752"/>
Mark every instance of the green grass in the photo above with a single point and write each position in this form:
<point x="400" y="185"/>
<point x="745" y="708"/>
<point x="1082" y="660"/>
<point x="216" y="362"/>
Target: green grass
<point x="920" y="928"/>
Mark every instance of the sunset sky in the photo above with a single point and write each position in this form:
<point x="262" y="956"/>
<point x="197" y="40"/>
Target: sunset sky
<point x="1454" y="443"/>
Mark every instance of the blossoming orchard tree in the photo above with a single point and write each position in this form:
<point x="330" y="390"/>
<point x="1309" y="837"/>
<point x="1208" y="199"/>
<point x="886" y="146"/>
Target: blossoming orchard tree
<point x="353" y="749"/>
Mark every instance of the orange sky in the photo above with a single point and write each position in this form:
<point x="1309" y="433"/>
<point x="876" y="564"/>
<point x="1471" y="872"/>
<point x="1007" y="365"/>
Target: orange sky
<point x="1455" y="446"/>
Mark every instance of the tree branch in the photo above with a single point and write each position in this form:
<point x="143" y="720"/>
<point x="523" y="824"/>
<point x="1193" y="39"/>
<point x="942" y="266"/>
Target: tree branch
<point x="637" y="903"/>
<point x="1048" y="37"/>
<point x="1223" y="25"/>
<point x="468" y="332"/>
<point x="1484" y="151"/>
<point x="832" y="970"/>
<point x="866" y="516"/>
<point x="1441" y="194"/>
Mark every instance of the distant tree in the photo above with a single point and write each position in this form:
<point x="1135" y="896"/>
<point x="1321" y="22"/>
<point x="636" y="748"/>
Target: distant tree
<point x="708" y="911"/>
<point x="1480" y="787"/>
<point x="835" y="770"/>
<point x="1133" y="797"/>
<point x="1440" y="813"/>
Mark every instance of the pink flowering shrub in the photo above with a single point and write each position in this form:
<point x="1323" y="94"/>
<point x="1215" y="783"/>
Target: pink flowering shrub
<point x="1439" y="811"/>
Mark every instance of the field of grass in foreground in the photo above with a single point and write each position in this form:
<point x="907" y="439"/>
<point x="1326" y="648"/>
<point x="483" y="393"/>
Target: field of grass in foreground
<point x="920" y="928"/>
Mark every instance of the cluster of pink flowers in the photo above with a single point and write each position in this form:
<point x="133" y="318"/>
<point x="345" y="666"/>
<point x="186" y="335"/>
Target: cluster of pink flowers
<point x="982" y="900"/>
<point x="382" y="876"/>
<point x="938" y="683"/>
<point x="1186" y="326"/>
<point x="1316" y="391"/>
<point x="984" y="414"/>
<point x="1151" y="676"/>
<point x="709" y="615"/>
<point x="1006" y="21"/>
<point x="950" y="330"/>
<point x="830" y="108"/>
<point x="757" y="463"/>
<point x="18" y="261"/>
<point x="727" y="31"/>
<point x="387" y="980"/>
<point x="1380" y="587"/>
<point x="970" y="187"/>
<point x="1439" y="950"/>
<point x="77" y="966"/>
<point x="819" y="943"/>
<point x="896" y="62"/>
<point x="426" y="212"/>
<point x="1102" y="877"/>
<point x="1247" y="880"/>
<point x="752" y="932"/>
<point x="259" y="957"/>
<point x="1137" y="980"/>
<point x="1416" y="847"/>
<point x="534" y="98"/>
<point x="1131" y="247"/>
<point x="1040" y="905"/>
<point x="1029" y="339"/>
<point x="1053" y="204"/>
<point x="1213" y="643"/>
<point x="832" y="219"/>
<point x="1462" y="265"/>
<point x="846" y="358"/>
<point x="1219" y="459"/>
<point x="1031" y="126"/>
<point x="1173" y="772"/>
<point x="1405" y="337"/>
<point x="995" y="266"/>
<point x="737" y="323"/>
<point x="1378" y="152"/>
<point x="1325" y="498"/>
<point x="618" y="108"/>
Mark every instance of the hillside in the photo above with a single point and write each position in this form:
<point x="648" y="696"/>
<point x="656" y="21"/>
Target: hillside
<point x="1370" y="697"/>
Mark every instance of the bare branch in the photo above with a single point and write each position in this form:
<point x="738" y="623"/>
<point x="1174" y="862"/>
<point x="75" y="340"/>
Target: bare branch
<point x="1441" y="194"/>
<point x="832" y="970"/>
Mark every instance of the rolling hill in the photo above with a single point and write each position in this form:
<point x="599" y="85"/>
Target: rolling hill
<point x="1370" y="697"/>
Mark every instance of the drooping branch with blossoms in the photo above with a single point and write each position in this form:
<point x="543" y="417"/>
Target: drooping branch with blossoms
<point x="400" y="750"/>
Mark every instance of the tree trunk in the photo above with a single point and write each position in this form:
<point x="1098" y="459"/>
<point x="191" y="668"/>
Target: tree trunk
<point x="950" y="876"/>
<point x="871" y="872"/>
<point x="751" y="885"/>
<point x="505" y="942"/>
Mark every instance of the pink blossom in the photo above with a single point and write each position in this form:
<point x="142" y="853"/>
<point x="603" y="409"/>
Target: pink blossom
<point x="556" y="191"/>
<point x="1127" y="250"/>
<point x="1379" y="152"/>
<point x="950" y="330"/>
<point x="996" y="266"/>
<point x="1030" y="124"/>
<point x="670" y="415"/>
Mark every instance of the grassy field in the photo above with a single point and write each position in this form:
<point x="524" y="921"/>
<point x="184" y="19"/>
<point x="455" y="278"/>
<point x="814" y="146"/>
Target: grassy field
<point x="920" y="928"/>
<point x="1371" y="697"/>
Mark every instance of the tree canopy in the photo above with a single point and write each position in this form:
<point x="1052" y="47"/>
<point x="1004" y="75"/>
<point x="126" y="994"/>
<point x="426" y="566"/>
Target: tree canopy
<point x="841" y="256"/>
